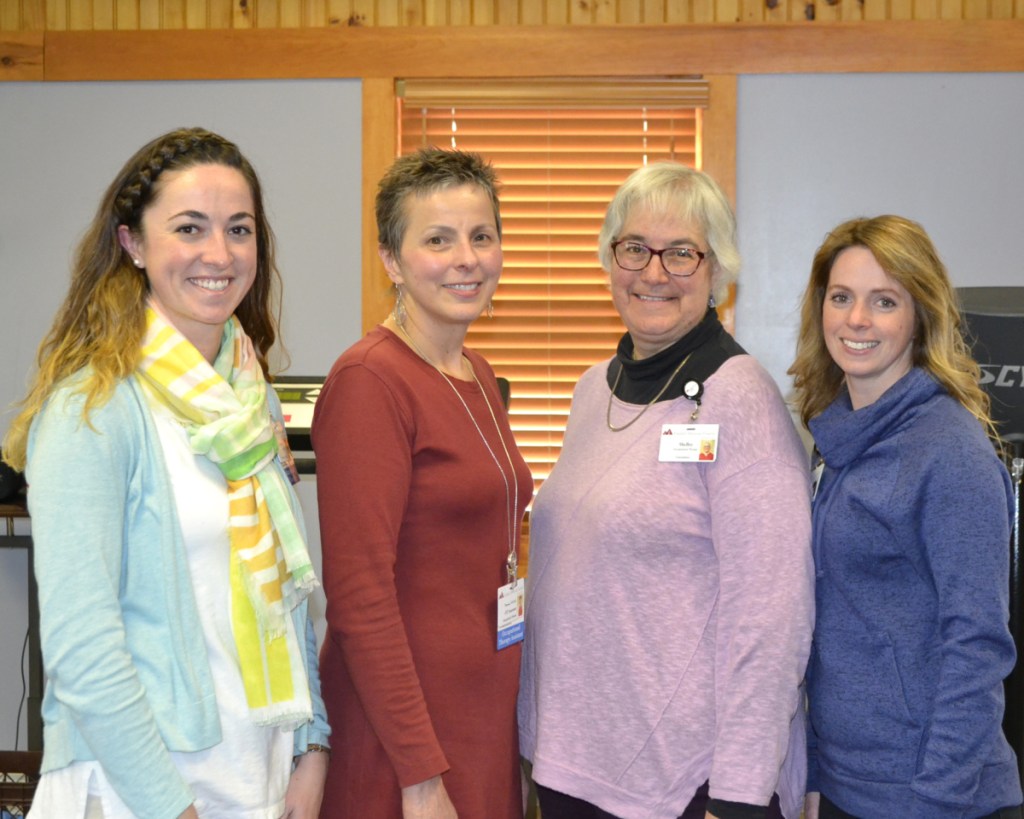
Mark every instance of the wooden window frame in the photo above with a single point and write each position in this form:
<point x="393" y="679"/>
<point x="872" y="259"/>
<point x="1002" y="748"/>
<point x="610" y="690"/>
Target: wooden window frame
<point x="379" y="151"/>
<point x="553" y="317"/>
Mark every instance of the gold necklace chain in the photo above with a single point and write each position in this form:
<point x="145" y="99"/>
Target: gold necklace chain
<point x="512" y="561"/>
<point x="635" y="418"/>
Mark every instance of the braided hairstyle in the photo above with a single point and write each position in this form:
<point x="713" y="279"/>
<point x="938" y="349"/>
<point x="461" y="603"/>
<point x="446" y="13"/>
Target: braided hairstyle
<point x="102" y="320"/>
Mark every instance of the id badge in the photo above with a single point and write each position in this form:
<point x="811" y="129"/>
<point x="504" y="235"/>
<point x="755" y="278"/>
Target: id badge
<point x="284" y="452"/>
<point x="511" y="613"/>
<point x="688" y="443"/>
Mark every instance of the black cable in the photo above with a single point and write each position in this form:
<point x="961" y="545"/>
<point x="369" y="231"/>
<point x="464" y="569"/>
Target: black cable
<point x="24" y="692"/>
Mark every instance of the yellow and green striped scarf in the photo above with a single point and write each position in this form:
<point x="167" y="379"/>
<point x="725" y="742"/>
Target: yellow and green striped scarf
<point x="224" y="410"/>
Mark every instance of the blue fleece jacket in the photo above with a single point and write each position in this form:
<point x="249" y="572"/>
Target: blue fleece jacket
<point x="911" y="645"/>
<point x="123" y="648"/>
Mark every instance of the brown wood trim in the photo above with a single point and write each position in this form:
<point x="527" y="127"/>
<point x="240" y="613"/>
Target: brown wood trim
<point x="380" y="137"/>
<point x="21" y="55"/>
<point x="380" y="148"/>
<point x="531" y="51"/>
<point x="718" y="133"/>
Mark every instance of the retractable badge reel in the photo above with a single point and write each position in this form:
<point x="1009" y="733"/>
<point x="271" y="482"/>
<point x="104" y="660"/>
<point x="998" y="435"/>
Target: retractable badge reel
<point x="694" y="390"/>
<point x="693" y="442"/>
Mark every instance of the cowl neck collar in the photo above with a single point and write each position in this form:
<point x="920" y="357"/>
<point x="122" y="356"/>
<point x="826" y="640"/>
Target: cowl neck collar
<point x="708" y="345"/>
<point x="842" y="434"/>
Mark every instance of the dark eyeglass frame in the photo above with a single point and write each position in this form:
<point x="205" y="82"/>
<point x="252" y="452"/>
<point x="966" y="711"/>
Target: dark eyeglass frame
<point x="701" y="255"/>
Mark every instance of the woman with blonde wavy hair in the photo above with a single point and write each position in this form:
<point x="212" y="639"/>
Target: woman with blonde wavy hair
<point x="181" y="665"/>
<point x="911" y="515"/>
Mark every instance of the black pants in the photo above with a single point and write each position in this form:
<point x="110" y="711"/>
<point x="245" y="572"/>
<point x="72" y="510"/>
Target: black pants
<point x="555" y="805"/>
<point x="828" y="810"/>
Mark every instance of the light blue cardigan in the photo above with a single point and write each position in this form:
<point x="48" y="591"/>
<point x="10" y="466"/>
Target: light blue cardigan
<point x="127" y="674"/>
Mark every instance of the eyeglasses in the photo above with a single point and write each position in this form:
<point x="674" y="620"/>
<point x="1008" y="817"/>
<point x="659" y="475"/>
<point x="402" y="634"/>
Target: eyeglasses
<point x="678" y="261"/>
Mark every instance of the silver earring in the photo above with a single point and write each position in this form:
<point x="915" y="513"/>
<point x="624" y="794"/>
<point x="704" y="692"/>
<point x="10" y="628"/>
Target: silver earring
<point x="398" y="312"/>
<point x="711" y="300"/>
<point x="490" y="309"/>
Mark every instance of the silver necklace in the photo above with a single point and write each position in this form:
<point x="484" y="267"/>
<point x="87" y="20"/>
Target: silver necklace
<point x="511" y="516"/>
<point x="635" y="418"/>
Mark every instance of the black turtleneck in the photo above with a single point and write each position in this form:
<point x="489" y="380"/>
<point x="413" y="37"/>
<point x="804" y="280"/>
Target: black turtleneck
<point x="707" y="344"/>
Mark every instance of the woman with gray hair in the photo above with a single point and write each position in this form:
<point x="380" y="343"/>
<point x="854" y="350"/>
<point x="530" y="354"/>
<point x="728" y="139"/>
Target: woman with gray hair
<point x="671" y="596"/>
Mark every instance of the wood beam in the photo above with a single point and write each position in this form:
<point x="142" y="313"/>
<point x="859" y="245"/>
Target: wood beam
<point x="21" y="55"/>
<point x="531" y="51"/>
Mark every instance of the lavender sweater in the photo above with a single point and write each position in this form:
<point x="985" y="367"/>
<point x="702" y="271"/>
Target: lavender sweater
<point x="670" y="605"/>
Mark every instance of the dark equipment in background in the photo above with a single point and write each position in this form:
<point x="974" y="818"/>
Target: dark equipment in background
<point x="995" y="327"/>
<point x="11" y="482"/>
<point x="298" y="394"/>
<point x="19" y="774"/>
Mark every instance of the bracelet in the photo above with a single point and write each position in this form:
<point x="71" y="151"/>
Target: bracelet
<point x="312" y="748"/>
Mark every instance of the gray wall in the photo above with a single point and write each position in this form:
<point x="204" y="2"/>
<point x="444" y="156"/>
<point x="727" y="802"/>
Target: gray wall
<point x="61" y="145"/>
<point x="813" y="150"/>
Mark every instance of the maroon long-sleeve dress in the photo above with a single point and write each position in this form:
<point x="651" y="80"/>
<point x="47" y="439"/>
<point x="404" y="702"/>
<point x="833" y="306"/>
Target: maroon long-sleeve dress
<point x="414" y="518"/>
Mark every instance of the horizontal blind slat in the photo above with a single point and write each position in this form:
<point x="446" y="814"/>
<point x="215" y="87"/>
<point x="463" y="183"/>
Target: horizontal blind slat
<point x="559" y="166"/>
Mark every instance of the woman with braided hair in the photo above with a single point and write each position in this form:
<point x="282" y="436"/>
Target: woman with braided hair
<point x="170" y="555"/>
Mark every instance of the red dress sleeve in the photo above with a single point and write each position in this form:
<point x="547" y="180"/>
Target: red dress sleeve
<point x="362" y="435"/>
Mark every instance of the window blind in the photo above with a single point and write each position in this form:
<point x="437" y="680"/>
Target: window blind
<point x="561" y="149"/>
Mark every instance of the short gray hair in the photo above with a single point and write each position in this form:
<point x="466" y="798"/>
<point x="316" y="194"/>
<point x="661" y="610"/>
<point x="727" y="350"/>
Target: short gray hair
<point x="692" y="194"/>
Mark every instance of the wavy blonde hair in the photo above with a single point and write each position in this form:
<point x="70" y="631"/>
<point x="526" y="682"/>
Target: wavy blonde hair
<point x="102" y="320"/>
<point x="903" y="250"/>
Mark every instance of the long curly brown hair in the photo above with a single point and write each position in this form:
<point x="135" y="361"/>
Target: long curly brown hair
<point x="102" y="320"/>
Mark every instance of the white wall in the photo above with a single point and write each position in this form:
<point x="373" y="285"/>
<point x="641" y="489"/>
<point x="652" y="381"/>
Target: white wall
<point x="814" y="150"/>
<point x="60" y="146"/>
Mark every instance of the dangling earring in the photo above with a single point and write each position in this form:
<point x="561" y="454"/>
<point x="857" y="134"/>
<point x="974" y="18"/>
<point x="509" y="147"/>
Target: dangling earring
<point x="490" y="309"/>
<point x="711" y="300"/>
<point x="398" y="313"/>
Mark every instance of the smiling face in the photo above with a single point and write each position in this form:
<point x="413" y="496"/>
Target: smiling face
<point x="450" y="260"/>
<point x="659" y="309"/>
<point x="197" y="245"/>
<point x="868" y="321"/>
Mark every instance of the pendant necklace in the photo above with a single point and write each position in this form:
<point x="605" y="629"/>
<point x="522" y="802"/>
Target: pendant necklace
<point x="512" y="560"/>
<point x="635" y="418"/>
